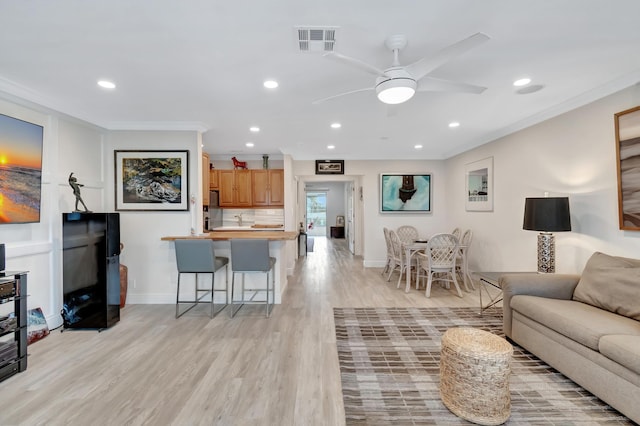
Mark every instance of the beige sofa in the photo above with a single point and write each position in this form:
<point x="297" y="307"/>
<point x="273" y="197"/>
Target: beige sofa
<point x="587" y="327"/>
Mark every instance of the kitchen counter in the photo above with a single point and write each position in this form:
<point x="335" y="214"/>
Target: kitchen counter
<point x="278" y="240"/>
<point x="228" y="235"/>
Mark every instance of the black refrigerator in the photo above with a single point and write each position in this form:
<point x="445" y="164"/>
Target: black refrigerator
<point x="90" y="269"/>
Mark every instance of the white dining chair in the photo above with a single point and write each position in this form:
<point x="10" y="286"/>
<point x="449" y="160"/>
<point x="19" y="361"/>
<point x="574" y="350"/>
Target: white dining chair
<point x="407" y="233"/>
<point x="462" y="260"/>
<point x="387" y="241"/>
<point x="440" y="258"/>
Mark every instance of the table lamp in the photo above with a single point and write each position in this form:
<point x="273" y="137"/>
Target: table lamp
<point x="547" y="215"/>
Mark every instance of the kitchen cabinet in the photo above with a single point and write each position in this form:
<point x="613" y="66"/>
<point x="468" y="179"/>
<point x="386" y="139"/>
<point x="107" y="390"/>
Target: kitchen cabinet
<point x="235" y="188"/>
<point x="205" y="179"/>
<point x="268" y="187"/>
<point x="214" y="180"/>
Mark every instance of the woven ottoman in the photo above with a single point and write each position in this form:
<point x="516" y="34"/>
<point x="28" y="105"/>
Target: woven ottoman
<point x="474" y="375"/>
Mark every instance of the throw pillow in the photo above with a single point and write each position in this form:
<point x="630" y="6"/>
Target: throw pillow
<point x="611" y="283"/>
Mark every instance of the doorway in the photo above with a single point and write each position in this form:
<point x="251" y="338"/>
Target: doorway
<point x="316" y="213"/>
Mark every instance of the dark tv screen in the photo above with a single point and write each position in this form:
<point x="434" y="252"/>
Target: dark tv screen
<point x="20" y="170"/>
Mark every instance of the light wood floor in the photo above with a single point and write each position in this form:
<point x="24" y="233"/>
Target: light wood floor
<point x="151" y="369"/>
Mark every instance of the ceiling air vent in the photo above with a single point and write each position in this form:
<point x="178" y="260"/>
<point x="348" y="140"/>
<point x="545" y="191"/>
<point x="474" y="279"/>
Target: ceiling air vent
<point x="316" y="39"/>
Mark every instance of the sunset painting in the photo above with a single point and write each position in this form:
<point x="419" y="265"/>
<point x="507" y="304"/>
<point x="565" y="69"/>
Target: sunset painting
<point x="20" y="170"/>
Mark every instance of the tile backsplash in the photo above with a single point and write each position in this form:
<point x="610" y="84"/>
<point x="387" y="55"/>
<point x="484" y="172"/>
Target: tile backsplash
<point x="253" y="217"/>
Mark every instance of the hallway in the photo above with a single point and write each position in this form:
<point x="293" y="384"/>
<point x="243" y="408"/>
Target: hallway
<point x="151" y="369"/>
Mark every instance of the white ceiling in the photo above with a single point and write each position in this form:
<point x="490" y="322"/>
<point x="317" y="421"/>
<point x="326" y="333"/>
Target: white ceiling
<point x="200" y="64"/>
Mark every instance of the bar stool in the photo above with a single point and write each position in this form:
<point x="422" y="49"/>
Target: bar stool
<point x="196" y="257"/>
<point x="247" y="257"/>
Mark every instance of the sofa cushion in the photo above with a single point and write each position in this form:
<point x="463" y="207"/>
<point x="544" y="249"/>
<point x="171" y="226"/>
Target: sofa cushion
<point x="578" y="321"/>
<point x="623" y="349"/>
<point x="611" y="283"/>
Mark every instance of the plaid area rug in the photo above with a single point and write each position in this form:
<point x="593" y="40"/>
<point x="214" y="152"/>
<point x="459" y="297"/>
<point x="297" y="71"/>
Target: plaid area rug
<point x="389" y="366"/>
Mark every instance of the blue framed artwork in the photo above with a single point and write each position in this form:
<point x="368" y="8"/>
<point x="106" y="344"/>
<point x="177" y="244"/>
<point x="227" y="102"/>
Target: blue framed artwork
<point x="405" y="193"/>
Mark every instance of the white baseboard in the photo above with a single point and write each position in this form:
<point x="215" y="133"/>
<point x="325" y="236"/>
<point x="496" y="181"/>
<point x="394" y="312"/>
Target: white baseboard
<point x="374" y="263"/>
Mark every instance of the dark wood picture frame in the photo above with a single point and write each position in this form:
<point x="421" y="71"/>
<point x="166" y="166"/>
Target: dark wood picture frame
<point x="329" y="167"/>
<point x="627" y="124"/>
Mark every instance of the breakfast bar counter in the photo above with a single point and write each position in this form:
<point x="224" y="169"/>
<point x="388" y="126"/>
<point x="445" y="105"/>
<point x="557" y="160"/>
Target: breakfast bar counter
<point x="277" y="244"/>
<point x="228" y="235"/>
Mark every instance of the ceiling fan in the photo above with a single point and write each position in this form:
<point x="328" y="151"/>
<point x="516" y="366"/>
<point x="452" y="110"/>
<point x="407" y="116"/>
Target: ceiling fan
<point x="398" y="83"/>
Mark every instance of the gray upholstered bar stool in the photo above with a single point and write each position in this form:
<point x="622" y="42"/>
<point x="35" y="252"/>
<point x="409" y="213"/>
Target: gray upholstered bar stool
<point x="247" y="257"/>
<point x="198" y="257"/>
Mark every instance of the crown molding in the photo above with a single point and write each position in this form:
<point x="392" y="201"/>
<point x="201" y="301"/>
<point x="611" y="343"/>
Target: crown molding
<point x="194" y="126"/>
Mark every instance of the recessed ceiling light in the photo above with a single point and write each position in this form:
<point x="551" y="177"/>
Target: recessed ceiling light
<point x="254" y="129"/>
<point x="106" y="84"/>
<point x="418" y="146"/>
<point x="530" y="89"/>
<point x="522" y="82"/>
<point x="454" y="124"/>
<point x="270" y="84"/>
<point x="331" y="146"/>
<point x="249" y="144"/>
<point x="336" y="125"/>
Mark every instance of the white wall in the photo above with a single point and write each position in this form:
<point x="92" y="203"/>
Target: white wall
<point x="69" y="146"/>
<point x="571" y="155"/>
<point x="151" y="262"/>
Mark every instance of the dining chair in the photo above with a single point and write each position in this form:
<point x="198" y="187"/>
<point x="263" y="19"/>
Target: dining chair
<point x="456" y="232"/>
<point x="387" y="242"/>
<point x="408" y="233"/>
<point x="399" y="257"/>
<point x="249" y="256"/>
<point x="396" y="262"/>
<point x="198" y="257"/>
<point x="462" y="260"/>
<point x="440" y="258"/>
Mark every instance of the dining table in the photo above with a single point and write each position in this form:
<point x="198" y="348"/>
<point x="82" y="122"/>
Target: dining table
<point x="410" y="249"/>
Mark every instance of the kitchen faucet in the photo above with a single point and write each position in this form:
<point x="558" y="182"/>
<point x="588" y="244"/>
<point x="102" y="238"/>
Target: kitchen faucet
<point x="239" y="217"/>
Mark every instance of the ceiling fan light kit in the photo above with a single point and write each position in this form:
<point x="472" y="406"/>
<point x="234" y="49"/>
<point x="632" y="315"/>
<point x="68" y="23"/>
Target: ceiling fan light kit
<point x="399" y="83"/>
<point x="396" y="90"/>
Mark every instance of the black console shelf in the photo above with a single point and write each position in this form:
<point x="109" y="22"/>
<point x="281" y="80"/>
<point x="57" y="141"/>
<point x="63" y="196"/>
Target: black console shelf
<point x="13" y="352"/>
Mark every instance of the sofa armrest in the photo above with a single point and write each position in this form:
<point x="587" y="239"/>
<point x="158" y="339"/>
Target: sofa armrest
<point x="552" y="286"/>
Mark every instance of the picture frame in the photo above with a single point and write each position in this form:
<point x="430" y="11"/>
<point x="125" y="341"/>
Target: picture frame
<point x="479" y="185"/>
<point x="405" y="192"/>
<point x="151" y="180"/>
<point x="339" y="220"/>
<point x="627" y="129"/>
<point x="329" y="167"/>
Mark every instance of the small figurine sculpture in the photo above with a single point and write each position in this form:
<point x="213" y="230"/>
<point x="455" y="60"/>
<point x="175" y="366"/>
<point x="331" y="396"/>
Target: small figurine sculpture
<point x="238" y="164"/>
<point x="73" y="183"/>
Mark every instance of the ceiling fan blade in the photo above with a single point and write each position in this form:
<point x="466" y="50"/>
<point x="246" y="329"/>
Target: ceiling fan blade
<point x="425" y="65"/>
<point x="430" y="84"/>
<point x="318" y="101"/>
<point x="357" y="63"/>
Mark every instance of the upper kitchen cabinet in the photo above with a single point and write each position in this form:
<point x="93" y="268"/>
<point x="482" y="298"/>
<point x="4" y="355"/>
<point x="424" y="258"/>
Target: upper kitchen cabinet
<point x="235" y="188"/>
<point x="205" y="179"/>
<point x="214" y="181"/>
<point x="268" y="187"/>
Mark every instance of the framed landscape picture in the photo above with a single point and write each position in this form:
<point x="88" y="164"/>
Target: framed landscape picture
<point x="405" y="193"/>
<point x="152" y="180"/>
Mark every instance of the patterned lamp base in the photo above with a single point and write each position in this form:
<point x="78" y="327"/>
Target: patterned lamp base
<point x="546" y="253"/>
